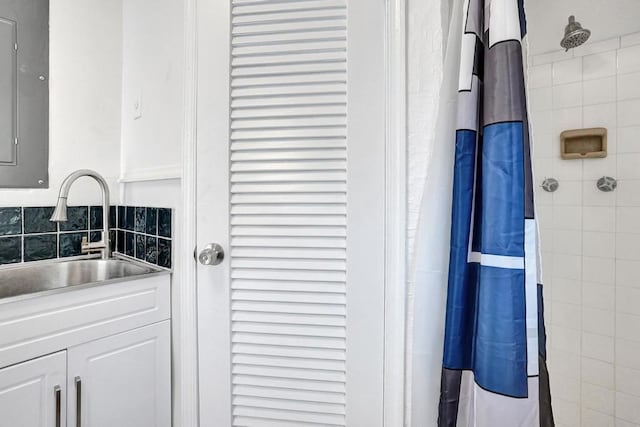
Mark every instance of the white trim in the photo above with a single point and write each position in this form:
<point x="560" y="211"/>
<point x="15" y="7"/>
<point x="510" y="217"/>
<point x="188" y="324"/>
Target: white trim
<point x="151" y="174"/>
<point x="185" y="328"/>
<point x="395" y="216"/>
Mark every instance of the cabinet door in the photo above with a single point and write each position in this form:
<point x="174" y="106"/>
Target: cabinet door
<point x="123" y="380"/>
<point x="33" y="393"/>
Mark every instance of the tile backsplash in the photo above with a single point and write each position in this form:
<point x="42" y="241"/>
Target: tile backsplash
<point x="26" y="234"/>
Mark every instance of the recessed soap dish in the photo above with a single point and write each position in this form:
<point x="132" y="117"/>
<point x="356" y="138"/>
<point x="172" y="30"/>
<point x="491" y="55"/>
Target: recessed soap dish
<point x="583" y="143"/>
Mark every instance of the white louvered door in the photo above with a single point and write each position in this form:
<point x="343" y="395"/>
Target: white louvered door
<point x="291" y="167"/>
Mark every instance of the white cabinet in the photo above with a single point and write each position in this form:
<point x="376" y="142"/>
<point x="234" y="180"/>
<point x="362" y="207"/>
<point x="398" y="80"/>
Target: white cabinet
<point x="103" y="353"/>
<point x="33" y="393"/>
<point x="123" y="380"/>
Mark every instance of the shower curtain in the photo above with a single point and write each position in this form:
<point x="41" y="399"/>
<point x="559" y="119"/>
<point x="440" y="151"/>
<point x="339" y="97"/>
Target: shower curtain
<point x="494" y="369"/>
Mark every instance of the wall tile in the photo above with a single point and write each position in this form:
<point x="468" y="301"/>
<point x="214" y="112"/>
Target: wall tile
<point x="598" y="372"/>
<point x="599" y="91"/>
<point x="120" y="241"/>
<point x="627" y="353"/>
<point x="565" y="339"/>
<point x="629" y="59"/>
<point x="566" y="119"/>
<point x="566" y="413"/>
<point x="597" y="295"/>
<point x="628" y="166"/>
<point x="599" y="245"/>
<point x="566" y="290"/>
<point x="129" y="244"/>
<point x="140" y="225"/>
<point x="627" y="273"/>
<point x="164" y="253"/>
<point x="630" y="40"/>
<point x="548" y="58"/>
<point x="566" y="315"/>
<point x="628" y="407"/>
<point x="567" y="95"/>
<point x="36" y="220"/>
<point x="565" y="388"/>
<point x="599" y="65"/>
<point x="569" y="71"/>
<point x="48" y="240"/>
<point x="129" y="219"/>
<point x="591" y="418"/>
<point x="151" y="221"/>
<point x="628" y="193"/>
<point x="599" y="218"/>
<point x="629" y="139"/>
<point x="151" y="250"/>
<point x="164" y="222"/>
<point x="539" y="76"/>
<point x="628" y="246"/>
<point x="599" y="347"/>
<point x="599" y="270"/>
<point x="597" y="47"/>
<point x="542" y="123"/>
<point x="591" y="196"/>
<point x="567" y="217"/>
<point x="540" y="99"/>
<point x="141" y="246"/>
<point x="544" y="147"/>
<point x="566" y="363"/>
<point x="122" y="217"/>
<point x="95" y="218"/>
<point x="567" y="242"/>
<point x="628" y="381"/>
<point x="568" y="193"/>
<point x="627" y="327"/>
<point x="567" y="170"/>
<point x="627" y="219"/>
<point x="623" y="423"/>
<point x="599" y="322"/>
<point x="600" y="115"/>
<point x="594" y="169"/>
<point x="628" y="86"/>
<point x="567" y="267"/>
<point x="10" y="250"/>
<point x="598" y="398"/>
<point x="629" y="113"/>
<point x="40" y="247"/>
<point x="70" y="244"/>
<point x="10" y="221"/>
<point x="77" y="219"/>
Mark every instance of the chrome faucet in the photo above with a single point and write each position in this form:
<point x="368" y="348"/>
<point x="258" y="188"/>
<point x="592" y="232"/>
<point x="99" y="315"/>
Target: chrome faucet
<point x="60" y="212"/>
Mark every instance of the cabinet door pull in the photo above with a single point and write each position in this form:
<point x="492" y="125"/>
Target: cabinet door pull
<point x="78" y="382"/>
<point x="58" y="396"/>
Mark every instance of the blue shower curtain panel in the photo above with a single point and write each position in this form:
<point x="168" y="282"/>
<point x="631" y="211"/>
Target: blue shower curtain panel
<point x="494" y="368"/>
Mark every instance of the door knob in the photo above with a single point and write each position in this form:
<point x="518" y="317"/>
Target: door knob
<point x="212" y="254"/>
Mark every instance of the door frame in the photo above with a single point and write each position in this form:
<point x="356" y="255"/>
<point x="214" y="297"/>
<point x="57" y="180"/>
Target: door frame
<point x="185" y="332"/>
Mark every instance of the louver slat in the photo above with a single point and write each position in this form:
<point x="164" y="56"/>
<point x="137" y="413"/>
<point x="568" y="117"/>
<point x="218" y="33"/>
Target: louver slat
<point x="288" y="212"/>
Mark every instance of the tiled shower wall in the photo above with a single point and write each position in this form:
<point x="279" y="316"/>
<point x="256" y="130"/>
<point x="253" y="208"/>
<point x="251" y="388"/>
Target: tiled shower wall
<point x="591" y="239"/>
<point x="26" y="234"/>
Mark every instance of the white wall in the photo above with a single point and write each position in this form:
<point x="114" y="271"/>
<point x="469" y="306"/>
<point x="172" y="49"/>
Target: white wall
<point x="151" y="157"/>
<point x="590" y="239"/>
<point x="85" y="85"/>
<point x="153" y="63"/>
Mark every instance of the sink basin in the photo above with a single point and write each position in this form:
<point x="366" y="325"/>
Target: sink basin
<point x="30" y="279"/>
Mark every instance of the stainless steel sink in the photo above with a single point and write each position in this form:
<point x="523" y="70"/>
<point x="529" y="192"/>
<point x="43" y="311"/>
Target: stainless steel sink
<point x="30" y="279"/>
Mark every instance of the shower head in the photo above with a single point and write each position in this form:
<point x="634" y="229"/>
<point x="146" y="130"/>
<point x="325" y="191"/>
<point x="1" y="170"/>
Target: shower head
<point x="574" y="34"/>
